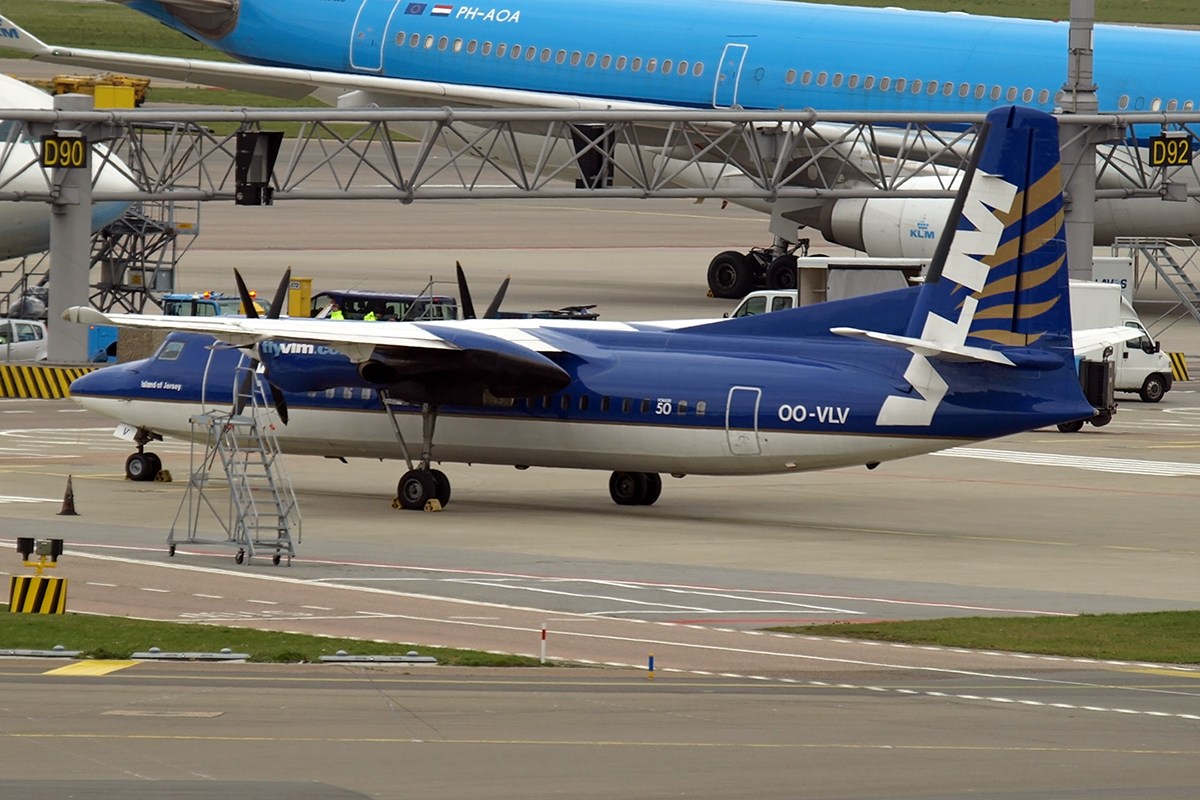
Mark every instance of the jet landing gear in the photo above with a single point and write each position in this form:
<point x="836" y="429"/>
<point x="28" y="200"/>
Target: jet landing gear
<point x="420" y="484"/>
<point x="143" y="466"/>
<point x="635" y="488"/>
<point x="733" y="275"/>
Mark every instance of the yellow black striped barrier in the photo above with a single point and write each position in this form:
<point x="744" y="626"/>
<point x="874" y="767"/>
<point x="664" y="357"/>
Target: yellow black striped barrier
<point x="1178" y="366"/>
<point x="38" y="380"/>
<point x="37" y="594"/>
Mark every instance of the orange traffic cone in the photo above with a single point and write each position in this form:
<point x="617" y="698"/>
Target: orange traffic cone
<point x="68" y="506"/>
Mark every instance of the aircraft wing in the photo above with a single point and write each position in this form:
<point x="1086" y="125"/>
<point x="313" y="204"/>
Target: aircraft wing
<point x="462" y="360"/>
<point x="295" y="84"/>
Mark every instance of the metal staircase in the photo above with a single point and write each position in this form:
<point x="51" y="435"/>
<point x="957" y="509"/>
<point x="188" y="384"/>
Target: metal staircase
<point x="261" y="512"/>
<point x="1175" y="261"/>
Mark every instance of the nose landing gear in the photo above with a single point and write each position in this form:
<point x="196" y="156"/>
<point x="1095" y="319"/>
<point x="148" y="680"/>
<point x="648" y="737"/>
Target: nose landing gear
<point x="143" y="466"/>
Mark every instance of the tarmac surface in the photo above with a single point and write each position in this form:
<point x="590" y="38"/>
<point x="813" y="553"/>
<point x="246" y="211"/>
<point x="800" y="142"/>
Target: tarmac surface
<point x="1043" y="523"/>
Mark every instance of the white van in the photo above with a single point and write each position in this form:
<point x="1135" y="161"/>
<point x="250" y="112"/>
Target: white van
<point x="23" y="340"/>
<point x="1141" y="366"/>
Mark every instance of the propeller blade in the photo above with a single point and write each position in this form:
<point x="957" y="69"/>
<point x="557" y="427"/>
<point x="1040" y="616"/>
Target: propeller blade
<point x="464" y="294"/>
<point x="244" y="293"/>
<point x="280" y="404"/>
<point x="281" y="293"/>
<point x="494" y="309"/>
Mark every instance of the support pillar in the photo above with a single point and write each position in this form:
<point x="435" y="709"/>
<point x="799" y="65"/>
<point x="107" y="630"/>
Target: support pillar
<point x="70" y="243"/>
<point x="1078" y="145"/>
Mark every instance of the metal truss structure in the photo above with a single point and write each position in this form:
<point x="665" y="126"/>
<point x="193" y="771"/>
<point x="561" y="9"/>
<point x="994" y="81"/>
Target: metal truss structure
<point x="458" y="154"/>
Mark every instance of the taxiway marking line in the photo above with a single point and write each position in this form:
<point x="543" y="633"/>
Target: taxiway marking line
<point x="600" y="743"/>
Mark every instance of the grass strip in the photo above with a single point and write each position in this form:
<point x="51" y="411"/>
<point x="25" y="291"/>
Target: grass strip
<point x="1171" y="637"/>
<point x="101" y="26"/>
<point x="119" y="637"/>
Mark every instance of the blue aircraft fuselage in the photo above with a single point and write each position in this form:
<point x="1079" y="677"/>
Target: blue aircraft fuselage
<point x="757" y="54"/>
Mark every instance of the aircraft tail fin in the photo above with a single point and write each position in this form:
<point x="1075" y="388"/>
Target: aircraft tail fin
<point x="997" y="289"/>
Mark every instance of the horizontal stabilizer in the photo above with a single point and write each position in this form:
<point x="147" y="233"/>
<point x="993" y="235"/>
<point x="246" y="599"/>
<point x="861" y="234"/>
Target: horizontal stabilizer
<point x="928" y="348"/>
<point x="1095" y="338"/>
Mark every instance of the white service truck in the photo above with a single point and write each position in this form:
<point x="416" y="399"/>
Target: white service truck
<point x="23" y="340"/>
<point x="1141" y="366"/>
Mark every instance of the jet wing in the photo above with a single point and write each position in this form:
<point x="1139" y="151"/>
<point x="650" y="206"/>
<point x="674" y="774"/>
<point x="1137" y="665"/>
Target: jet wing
<point x="295" y="84"/>
<point x="1088" y="340"/>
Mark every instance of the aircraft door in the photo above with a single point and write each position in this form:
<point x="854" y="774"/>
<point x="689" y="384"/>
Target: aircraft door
<point x="741" y="409"/>
<point x="370" y="28"/>
<point x="726" y="87"/>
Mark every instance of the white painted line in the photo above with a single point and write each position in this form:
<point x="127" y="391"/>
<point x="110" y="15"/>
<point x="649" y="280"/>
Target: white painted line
<point x="149" y="589"/>
<point x="209" y="596"/>
<point x="1125" y="466"/>
<point x="97" y="583"/>
<point x="263" y="602"/>
<point x="318" y="608"/>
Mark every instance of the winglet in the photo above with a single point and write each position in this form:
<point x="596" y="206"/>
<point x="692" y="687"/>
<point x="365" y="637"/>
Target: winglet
<point x="14" y="37"/>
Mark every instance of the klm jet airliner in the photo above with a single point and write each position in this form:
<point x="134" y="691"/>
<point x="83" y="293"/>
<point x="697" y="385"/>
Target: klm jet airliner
<point x="981" y="349"/>
<point x="639" y="54"/>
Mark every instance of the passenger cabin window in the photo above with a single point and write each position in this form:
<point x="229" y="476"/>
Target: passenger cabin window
<point x="947" y="89"/>
<point x="1027" y="96"/>
<point x="584" y="401"/>
<point x="900" y="84"/>
<point x="885" y="84"/>
<point x="531" y="53"/>
<point x="980" y="91"/>
<point x="442" y="42"/>
<point x="916" y="87"/>
<point x="1044" y="96"/>
<point x="400" y="38"/>
<point x="458" y="45"/>
<point x="500" y="49"/>
<point x="605" y="62"/>
<point x="414" y="40"/>
<point x="566" y="402"/>
<point x="806" y="78"/>
<point x="822" y="78"/>
<point x="472" y="46"/>
<point x="853" y="82"/>
<point x="429" y="42"/>
<point x="790" y="77"/>
<point x="698" y="70"/>
<point x="645" y="405"/>
<point x="636" y="64"/>
<point x="627" y="405"/>
<point x="651" y="64"/>
<point x="682" y="68"/>
<point x="560" y="56"/>
<point x="621" y="61"/>
<point x="516" y="51"/>
<point x="605" y="403"/>
<point x="964" y="89"/>
<point x="837" y="80"/>
<point x="666" y="67"/>
<point x="486" y="49"/>
<point x="546" y="54"/>
<point x="869" y="82"/>
<point x="701" y="407"/>
<point x="932" y="88"/>
<point x="547" y="401"/>
<point x="591" y="60"/>
<point x="681" y="409"/>
<point x="575" y="57"/>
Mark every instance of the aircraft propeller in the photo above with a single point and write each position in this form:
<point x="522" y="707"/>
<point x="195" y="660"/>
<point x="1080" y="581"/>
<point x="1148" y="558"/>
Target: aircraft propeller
<point x="252" y="313"/>
<point x="464" y="296"/>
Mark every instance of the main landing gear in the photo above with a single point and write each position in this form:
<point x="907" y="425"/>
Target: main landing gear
<point x="635" y="488"/>
<point x="732" y="275"/>
<point x="421" y="484"/>
<point x="143" y="466"/>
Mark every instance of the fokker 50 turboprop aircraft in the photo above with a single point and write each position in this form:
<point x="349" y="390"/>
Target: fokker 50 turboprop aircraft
<point x="981" y="349"/>
<point x="654" y="54"/>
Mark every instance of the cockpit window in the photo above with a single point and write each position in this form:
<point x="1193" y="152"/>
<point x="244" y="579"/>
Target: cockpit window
<point x="170" y="351"/>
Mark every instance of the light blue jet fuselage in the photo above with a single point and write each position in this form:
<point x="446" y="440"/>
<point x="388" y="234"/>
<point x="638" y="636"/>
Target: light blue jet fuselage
<point x="757" y="54"/>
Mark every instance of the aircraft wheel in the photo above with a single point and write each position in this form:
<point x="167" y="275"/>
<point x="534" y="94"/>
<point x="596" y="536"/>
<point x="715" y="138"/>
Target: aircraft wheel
<point x="1071" y="427"/>
<point x="1153" y="388"/>
<point x="781" y="274"/>
<point x="653" y="489"/>
<point x="140" y="467"/>
<point x="1100" y="420"/>
<point x="239" y="557"/>
<point x="730" y="275"/>
<point x="442" y="493"/>
<point x="415" y="489"/>
<point x="155" y="464"/>
<point x="628" y="488"/>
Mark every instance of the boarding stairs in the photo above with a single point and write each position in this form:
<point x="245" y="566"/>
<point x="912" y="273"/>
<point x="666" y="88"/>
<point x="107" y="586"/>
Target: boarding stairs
<point x="261" y="514"/>
<point x="1174" y="260"/>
